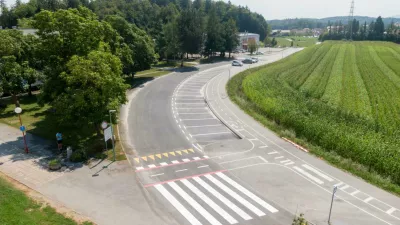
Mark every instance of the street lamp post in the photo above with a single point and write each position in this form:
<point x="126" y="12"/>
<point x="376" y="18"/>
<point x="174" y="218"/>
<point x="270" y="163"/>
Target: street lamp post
<point x="112" y="132"/>
<point x="18" y="111"/>
<point x="330" y="210"/>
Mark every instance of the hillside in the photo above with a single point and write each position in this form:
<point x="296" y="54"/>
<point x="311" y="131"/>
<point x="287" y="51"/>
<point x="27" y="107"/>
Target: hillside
<point x="300" y="23"/>
<point x="341" y="97"/>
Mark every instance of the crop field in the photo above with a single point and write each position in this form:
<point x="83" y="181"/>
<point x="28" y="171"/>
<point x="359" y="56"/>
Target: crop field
<point x="297" y="41"/>
<point x="343" y="97"/>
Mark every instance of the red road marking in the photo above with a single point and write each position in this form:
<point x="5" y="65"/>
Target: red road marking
<point x="172" y="164"/>
<point x="197" y="175"/>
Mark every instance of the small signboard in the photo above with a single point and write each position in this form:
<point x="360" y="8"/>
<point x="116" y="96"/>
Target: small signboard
<point x="104" y="125"/>
<point x="22" y="128"/>
<point x="107" y="133"/>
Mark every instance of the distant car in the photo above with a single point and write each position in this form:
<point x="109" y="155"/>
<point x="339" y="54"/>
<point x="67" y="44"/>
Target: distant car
<point x="255" y="60"/>
<point x="248" y="61"/>
<point x="259" y="53"/>
<point x="237" y="63"/>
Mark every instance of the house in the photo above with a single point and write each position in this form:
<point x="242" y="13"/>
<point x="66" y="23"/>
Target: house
<point x="244" y="39"/>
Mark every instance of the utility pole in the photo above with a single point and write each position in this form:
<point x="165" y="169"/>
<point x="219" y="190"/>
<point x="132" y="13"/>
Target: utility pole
<point x="351" y="18"/>
<point x="330" y="210"/>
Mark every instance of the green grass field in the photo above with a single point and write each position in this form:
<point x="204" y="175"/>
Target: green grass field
<point x="340" y="99"/>
<point x="297" y="41"/>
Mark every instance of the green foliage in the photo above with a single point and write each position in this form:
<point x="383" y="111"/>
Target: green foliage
<point x="78" y="156"/>
<point x="230" y="35"/>
<point x="300" y="220"/>
<point x="54" y="162"/>
<point x="252" y="45"/>
<point x="214" y="41"/>
<point x="339" y="96"/>
<point x="190" y="26"/>
<point x="11" y="79"/>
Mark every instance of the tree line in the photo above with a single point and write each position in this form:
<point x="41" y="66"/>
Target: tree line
<point x="374" y="31"/>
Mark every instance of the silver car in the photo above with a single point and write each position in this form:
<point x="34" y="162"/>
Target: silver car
<point x="237" y="63"/>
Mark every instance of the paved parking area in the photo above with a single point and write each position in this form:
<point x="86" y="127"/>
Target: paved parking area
<point x="192" y="113"/>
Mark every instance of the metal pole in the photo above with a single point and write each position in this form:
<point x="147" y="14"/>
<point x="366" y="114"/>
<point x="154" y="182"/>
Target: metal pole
<point x="23" y="134"/>
<point x="112" y="136"/>
<point x="330" y="210"/>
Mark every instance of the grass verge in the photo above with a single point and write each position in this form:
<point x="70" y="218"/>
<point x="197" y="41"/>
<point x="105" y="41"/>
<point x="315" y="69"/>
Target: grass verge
<point x="237" y="95"/>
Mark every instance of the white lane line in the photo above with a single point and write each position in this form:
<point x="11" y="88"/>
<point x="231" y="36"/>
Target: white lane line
<point x="326" y="177"/>
<point x="236" y="160"/>
<point x="155" y="175"/>
<point x="215" y="125"/>
<point x="163" y="164"/>
<point x="194" y="135"/>
<point x="344" y="187"/>
<point x="192" y="108"/>
<point x="206" y="157"/>
<point x="390" y="211"/>
<point x="368" y="199"/>
<point x="177" y="171"/>
<point x="271" y="153"/>
<point x="247" y="193"/>
<point x="196" y="158"/>
<point x="187" y="138"/>
<point x="194" y="204"/>
<point x="186" y="160"/>
<point x="151" y="166"/>
<point x="338" y="184"/>
<point x="222" y="198"/>
<point x="279" y="157"/>
<point x="177" y="205"/>
<point x="175" y="162"/>
<point x="209" y="202"/>
<point x="289" y="163"/>
<point x="355" y="192"/>
<point x="253" y="139"/>
<point x="206" y="113"/>
<point x="139" y="168"/>
<point x="263" y="146"/>
<point x="202" y="103"/>
<point x="234" y="195"/>
<point x="203" y="166"/>
<point x="199" y="119"/>
<point x="285" y="161"/>
<point x="316" y="180"/>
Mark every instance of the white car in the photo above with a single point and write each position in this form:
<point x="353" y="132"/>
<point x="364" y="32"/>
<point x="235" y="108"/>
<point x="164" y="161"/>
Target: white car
<point x="237" y="63"/>
<point x="255" y="60"/>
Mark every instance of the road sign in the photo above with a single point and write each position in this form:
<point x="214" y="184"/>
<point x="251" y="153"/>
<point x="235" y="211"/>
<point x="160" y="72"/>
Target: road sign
<point x="104" y="125"/>
<point x="334" y="189"/>
<point x="107" y="134"/>
<point x="22" y="128"/>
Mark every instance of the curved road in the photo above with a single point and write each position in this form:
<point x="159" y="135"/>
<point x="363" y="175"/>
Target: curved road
<point x="201" y="160"/>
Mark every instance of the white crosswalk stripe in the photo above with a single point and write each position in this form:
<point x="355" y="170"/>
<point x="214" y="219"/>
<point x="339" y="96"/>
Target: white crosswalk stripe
<point x="210" y="202"/>
<point x="177" y="205"/>
<point x="194" y="204"/>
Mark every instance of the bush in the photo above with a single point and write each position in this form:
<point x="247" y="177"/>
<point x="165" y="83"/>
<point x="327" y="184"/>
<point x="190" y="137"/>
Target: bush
<point x="54" y="162"/>
<point x="78" y="156"/>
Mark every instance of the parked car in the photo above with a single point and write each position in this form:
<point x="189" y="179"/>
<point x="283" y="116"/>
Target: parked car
<point x="248" y="61"/>
<point x="237" y="63"/>
<point x="259" y="53"/>
<point x="255" y="60"/>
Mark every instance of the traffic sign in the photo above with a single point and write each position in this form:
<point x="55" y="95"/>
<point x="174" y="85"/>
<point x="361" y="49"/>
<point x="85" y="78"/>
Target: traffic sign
<point x="334" y="189"/>
<point x="22" y="128"/>
<point x="107" y="134"/>
<point x="104" y="125"/>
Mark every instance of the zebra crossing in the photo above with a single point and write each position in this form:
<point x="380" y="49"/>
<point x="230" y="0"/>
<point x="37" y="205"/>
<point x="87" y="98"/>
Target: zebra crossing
<point x="213" y="198"/>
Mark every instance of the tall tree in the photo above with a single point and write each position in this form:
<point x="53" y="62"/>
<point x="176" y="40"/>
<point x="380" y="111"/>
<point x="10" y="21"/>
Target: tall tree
<point x="11" y="79"/>
<point x="214" y="41"/>
<point x="230" y="34"/>
<point x="379" y="28"/>
<point x="171" y="32"/>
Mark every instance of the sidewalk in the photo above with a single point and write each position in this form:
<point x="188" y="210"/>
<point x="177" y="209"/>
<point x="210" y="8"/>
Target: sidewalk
<point x="103" y="191"/>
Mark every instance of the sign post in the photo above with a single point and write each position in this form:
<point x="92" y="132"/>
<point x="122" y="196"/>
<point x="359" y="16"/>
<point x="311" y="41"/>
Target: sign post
<point x="22" y="128"/>
<point x="330" y="210"/>
<point x="104" y="125"/>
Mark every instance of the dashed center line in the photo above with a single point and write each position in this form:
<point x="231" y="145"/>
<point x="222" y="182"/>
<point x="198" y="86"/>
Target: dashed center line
<point x="203" y="166"/>
<point x="155" y="175"/>
<point x="180" y="170"/>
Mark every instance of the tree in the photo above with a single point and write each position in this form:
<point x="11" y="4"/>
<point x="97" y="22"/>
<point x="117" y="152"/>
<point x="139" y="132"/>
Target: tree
<point x="300" y="220"/>
<point x="379" y="28"/>
<point x="214" y="41"/>
<point x="93" y="86"/>
<point x="30" y="75"/>
<point x="291" y="44"/>
<point x="171" y="37"/>
<point x="252" y="46"/>
<point x="273" y="42"/>
<point x="230" y="34"/>
<point x="11" y="78"/>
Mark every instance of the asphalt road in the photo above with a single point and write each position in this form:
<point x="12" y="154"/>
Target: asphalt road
<point x="204" y="161"/>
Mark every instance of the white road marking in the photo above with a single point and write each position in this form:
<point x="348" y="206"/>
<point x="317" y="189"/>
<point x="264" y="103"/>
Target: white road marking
<point x="368" y="199"/>
<point x="196" y="158"/>
<point x="285" y="161"/>
<point x="206" y="113"/>
<point x="247" y="193"/>
<point x="236" y="160"/>
<point x="263" y="146"/>
<point x="180" y="170"/>
<point x="289" y="163"/>
<point x="176" y="103"/>
<point x="344" y="187"/>
<point x="186" y="160"/>
<point x="187" y="138"/>
<point x="177" y="205"/>
<point x="163" y="164"/>
<point x="390" y="211"/>
<point x="235" y="195"/>
<point x="222" y="198"/>
<point x="206" y="157"/>
<point x="203" y="166"/>
<point x="175" y="162"/>
<point x="337" y="185"/>
<point x="139" y="168"/>
<point x="209" y="202"/>
<point x="212" y="118"/>
<point x="151" y="166"/>
<point x="253" y="139"/>
<point x="271" y="153"/>
<point x="355" y="192"/>
<point x="210" y="134"/>
<point x="318" y="181"/>
<point x="194" y="204"/>
<point x="192" y="108"/>
<point x="216" y="125"/>
<point x="318" y="172"/>
<point x="279" y="157"/>
<point x="155" y="175"/>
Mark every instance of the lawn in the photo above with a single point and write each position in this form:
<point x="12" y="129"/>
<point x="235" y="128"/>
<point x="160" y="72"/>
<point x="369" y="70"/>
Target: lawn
<point x="16" y="208"/>
<point x="340" y="99"/>
<point x="297" y="41"/>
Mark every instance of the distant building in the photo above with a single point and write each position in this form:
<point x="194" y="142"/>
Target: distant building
<point x="244" y="39"/>
<point x="280" y="32"/>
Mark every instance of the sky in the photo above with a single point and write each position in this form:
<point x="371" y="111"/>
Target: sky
<point x="282" y="9"/>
